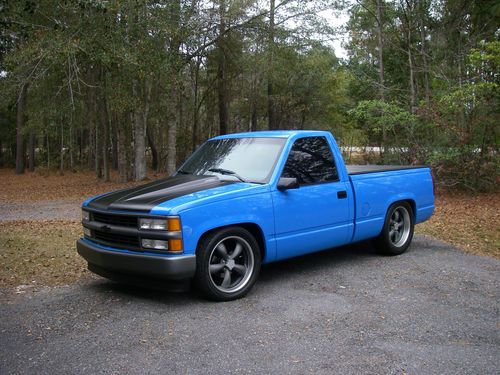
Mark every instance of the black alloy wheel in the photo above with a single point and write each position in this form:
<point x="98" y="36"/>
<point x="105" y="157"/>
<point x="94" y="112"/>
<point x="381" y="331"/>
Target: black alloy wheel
<point x="397" y="232"/>
<point x="227" y="264"/>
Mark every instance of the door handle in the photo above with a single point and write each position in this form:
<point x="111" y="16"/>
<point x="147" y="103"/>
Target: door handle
<point x="342" y="194"/>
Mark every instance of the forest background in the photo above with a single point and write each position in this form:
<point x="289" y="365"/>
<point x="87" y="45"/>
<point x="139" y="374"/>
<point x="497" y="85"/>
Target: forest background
<point x="137" y="85"/>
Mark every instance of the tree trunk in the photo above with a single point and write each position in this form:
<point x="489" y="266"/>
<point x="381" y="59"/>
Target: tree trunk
<point x="406" y="20"/>
<point x="423" y="52"/>
<point x="20" y="121"/>
<point x="80" y="148"/>
<point x="221" y="70"/>
<point x="154" y="151"/>
<point x="114" y="143"/>
<point x="71" y="145"/>
<point x="61" y="154"/>
<point x="413" y="93"/>
<point x="302" y="120"/>
<point x="381" y="79"/>
<point x="91" y="135"/>
<point x="48" y="152"/>
<point x="271" y="113"/>
<point x="222" y="106"/>
<point x="140" y="124"/>
<point x="104" y="123"/>
<point x="380" y="40"/>
<point x="97" y="149"/>
<point x="196" y="106"/>
<point x="196" y="120"/>
<point x="95" y="123"/>
<point x="210" y="115"/>
<point x="95" y="130"/>
<point x="172" y="135"/>
<point x="105" y="153"/>
<point x="253" y="118"/>
<point x="139" y="146"/>
<point x="171" y="147"/>
<point x="31" y="151"/>
<point x="121" y="149"/>
<point x="104" y="119"/>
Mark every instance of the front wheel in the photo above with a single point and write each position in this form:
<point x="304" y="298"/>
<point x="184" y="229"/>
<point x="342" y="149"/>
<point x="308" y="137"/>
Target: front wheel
<point x="397" y="232"/>
<point x="227" y="264"/>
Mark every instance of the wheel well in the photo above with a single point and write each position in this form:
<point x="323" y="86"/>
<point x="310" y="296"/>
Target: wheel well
<point x="411" y="202"/>
<point x="253" y="228"/>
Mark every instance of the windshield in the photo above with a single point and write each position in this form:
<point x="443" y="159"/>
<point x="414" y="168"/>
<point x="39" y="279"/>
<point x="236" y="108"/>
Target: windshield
<point x="252" y="159"/>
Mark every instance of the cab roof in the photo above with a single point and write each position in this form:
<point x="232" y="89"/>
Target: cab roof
<point x="274" y="134"/>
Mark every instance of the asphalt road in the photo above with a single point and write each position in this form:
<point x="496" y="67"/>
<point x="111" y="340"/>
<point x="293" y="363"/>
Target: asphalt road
<point x="433" y="310"/>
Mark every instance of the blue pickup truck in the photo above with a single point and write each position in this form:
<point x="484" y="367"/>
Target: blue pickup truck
<point x="242" y="200"/>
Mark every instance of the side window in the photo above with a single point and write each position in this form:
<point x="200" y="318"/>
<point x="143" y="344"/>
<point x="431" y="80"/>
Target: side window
<point x="311" y="161"/>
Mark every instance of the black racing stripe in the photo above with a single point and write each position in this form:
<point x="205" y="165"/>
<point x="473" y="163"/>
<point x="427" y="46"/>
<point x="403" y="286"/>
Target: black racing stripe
<point x="143" y="198"/>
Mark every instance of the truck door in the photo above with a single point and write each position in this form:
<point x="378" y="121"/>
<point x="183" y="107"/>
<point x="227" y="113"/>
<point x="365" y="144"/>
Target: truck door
<point x="314" y="216"/>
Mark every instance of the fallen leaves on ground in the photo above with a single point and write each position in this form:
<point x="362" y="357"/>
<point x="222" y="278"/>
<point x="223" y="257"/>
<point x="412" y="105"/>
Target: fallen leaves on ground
<point x="33" y="186"/>
<point x="42" y="253"/>
<point x="39" y="253"/>
<point x="472" y="223"/>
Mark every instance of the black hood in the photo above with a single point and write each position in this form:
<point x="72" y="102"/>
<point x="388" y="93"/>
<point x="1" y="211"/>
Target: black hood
<point x="143" y="198"/>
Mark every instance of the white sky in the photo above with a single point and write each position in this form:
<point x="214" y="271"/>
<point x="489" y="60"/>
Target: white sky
<point x="338" y="20"/>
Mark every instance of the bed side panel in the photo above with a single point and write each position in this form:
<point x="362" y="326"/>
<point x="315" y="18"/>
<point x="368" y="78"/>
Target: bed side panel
<point x="375" y="192"/>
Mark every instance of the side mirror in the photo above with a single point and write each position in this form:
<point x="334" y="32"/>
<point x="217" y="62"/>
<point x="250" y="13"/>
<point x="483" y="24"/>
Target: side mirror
<point x="286" y="183"/>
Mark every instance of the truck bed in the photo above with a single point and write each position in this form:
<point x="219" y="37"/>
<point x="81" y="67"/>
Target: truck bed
<point x="353" y="169"/>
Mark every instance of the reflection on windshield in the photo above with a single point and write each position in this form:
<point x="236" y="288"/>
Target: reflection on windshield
<point x="251" y="158"/>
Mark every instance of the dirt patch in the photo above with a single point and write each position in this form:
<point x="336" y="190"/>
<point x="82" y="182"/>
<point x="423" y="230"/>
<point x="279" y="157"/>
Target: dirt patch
<point x="40" y="253"/>
<point x="34" y="187"/>
<point x="472" y="223"/>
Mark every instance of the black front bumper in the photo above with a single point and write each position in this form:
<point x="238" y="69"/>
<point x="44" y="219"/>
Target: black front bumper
<point x="151" y="266"/>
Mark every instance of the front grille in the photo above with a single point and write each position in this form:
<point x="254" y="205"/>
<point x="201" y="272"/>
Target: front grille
<point x="114" y="239"/>
<point x="120" y="231"/>
<point x="120" y="220"/>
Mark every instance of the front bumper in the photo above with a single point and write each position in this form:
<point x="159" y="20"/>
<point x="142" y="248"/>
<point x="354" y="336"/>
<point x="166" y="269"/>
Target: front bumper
<point x="151" y="266"/>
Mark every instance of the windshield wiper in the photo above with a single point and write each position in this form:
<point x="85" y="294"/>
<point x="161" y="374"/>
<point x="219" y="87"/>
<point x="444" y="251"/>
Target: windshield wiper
<point x="227" y="172"/>
<point x="180" y="171"/>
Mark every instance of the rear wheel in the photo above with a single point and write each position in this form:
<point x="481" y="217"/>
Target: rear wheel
<point x="397" y="232"/>
<point x="227" y="264"/>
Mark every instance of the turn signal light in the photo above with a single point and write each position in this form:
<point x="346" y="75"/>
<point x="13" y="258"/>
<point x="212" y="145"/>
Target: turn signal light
<point x="174" y="224"/>
<point x="174" y="246"/>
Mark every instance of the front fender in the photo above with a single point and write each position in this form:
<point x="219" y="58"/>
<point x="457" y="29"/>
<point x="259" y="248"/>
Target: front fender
<point x="255" y="209"/>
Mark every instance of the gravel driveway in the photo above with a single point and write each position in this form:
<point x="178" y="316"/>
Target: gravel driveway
<point x="349" y="311"/>
<point x="64" y="209"/>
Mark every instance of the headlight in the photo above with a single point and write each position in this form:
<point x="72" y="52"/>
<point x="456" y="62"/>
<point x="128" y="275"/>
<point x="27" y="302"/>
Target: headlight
<point x="154" y="244"/>
<point x="85" y="215"/>
<point x="155" y="224"/>
<point x="172" y="224"/>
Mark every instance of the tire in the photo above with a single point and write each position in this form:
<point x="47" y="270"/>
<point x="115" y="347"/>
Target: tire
<point x="222" y="275"/>
<point x="397" y="232"/>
